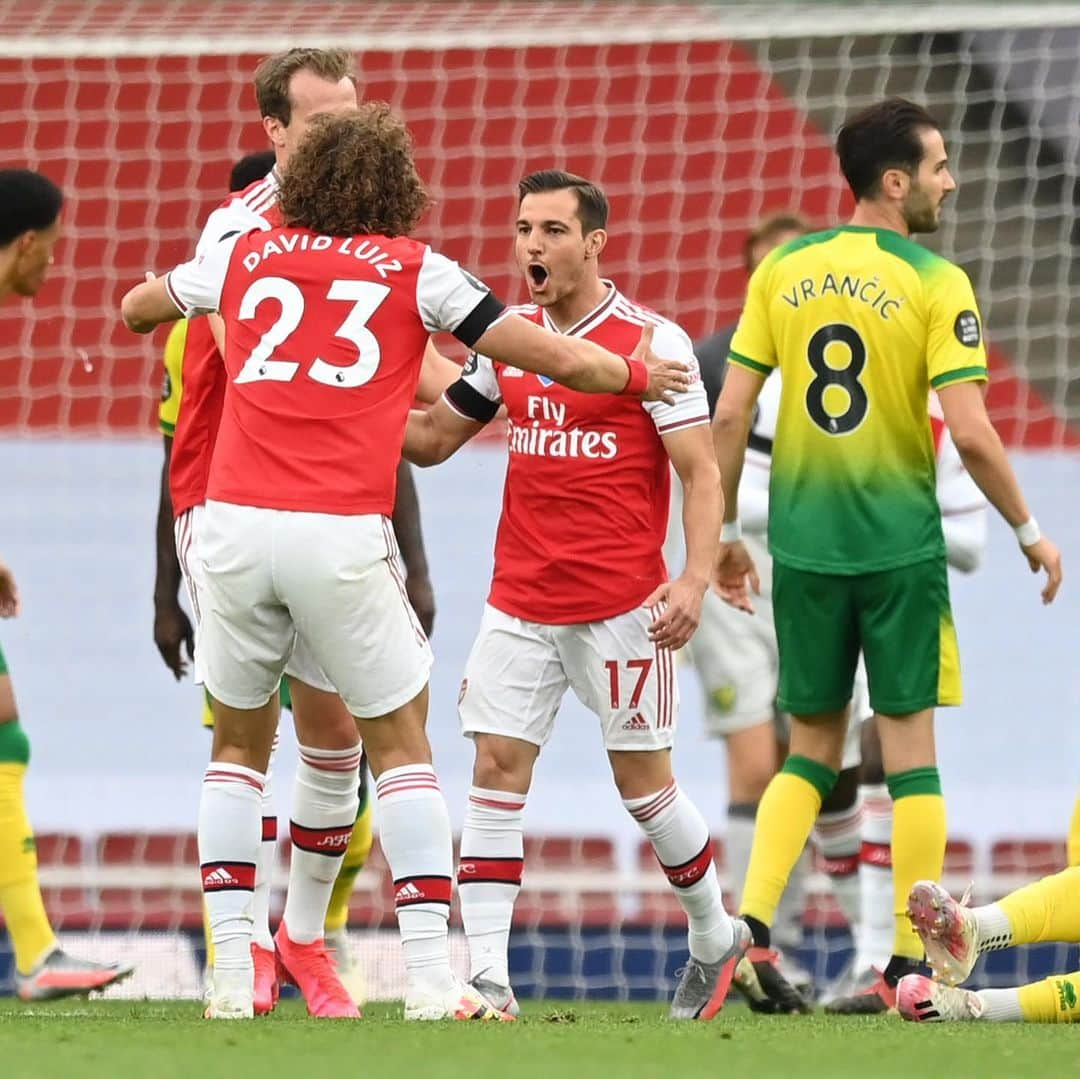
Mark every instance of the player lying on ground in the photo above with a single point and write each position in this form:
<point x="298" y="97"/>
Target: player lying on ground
<point x="29" y="228"/>
<point x="956" y="935"/>
<point x="854" y="525"/>
<point x="580" y="598"/>
<point x="296" y="531"/>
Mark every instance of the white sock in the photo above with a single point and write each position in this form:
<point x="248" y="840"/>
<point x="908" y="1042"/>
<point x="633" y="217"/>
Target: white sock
<point x="787" y="927"/>
<point x="839" y="840"/>
<point x="1000" y="1005"/>
<point x="995" y="929"/>
<point x="325" y="801"/>
<point x="680" y="837"/>
<point x="264" y="870"/>
<point x="737" y="844"/>
<point x="874" y="938"/>
<point x="489" y="878"/>
<point x="415" y="835"/>
<point x="229" y="813"/>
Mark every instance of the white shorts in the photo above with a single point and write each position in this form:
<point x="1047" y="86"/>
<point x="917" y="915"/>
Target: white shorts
<point x="737" y="661"/>
<point x="518" y="673"/>
<point x="268" y="576"/>
<point x="301" y="665"/>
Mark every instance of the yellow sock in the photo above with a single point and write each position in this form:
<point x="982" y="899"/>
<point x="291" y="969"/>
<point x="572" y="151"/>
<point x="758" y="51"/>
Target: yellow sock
<point x="785" y="815"/>
<point x="1046" y="910"/>
<point x="1073" y="846"/>
<point x="918" y="846"/>
<point x="356" y="854"/>
<point x="1053" y="1000"/>
<point x="20" y="897"/>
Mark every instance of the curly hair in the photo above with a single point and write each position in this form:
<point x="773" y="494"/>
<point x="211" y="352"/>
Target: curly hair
<point x="353" y="174"/>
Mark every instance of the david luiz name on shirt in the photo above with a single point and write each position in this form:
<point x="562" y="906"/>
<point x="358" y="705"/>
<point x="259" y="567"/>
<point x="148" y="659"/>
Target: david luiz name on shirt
<point x="361" y="248"/>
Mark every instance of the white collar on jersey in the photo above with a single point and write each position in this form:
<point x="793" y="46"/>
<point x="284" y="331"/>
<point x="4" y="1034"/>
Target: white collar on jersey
<point x="593" y="318"/>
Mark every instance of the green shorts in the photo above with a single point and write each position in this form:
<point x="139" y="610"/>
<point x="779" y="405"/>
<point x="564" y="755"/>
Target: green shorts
<point x="3" y="663"/>
<point x="899" y="618"/>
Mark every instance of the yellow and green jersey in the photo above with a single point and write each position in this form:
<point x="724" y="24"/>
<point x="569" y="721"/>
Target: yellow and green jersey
<point x="172" y="386"/>
<point x="862" y="323"/>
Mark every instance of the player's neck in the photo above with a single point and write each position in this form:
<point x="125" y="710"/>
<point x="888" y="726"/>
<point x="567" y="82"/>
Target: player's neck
<point x="878" y="215"/>
<point x="570" y="310"/>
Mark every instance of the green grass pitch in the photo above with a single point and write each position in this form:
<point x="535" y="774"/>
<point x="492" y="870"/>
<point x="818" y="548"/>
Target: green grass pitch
<point x="159" y="1040"/>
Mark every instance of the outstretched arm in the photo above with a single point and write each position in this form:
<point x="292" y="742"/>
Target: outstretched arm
<point x="582" y="365"/>
<point x="433" y="435"/>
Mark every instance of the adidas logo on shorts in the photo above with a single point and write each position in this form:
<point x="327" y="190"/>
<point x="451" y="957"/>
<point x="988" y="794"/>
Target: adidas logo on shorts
<point x="637" y="722"/>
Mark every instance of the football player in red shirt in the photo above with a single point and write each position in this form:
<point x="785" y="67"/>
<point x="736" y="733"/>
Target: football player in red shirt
<point x="580" y="597"/>
<point x="327" y="320"/>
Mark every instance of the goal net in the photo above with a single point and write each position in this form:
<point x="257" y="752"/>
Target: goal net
<point x="698" y="120"/>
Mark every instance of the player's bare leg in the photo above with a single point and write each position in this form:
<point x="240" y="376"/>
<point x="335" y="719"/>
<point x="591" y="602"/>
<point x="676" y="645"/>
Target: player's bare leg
<point x="230" y="831"/>
<point x="415" y="835"/>
<point x="492" y="858"/>
<point x="680" y="837"/>
<point x="325" y="802"/>
<point x="785" y="818"/>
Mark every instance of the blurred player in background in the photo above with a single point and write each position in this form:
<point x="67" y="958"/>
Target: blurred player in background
<point x="296" y="532"/>
<point x="291" y="88"/>
<point x="854" y="527"/>
<point x="29" y="228"/>
<point x="956" y="935"/>
<point x="580" y="597"/>
<point x="735" y="656"/>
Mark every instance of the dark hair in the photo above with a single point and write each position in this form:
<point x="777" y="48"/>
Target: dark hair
<point x="592" y="202"/>
<point x="251" y="167"/>
<point x="768" y="228"/>
<point x="274" y="73"/>
<point x="881" y="137"/>
<point x="29" y="202"/>
<point x="353" y="174"/>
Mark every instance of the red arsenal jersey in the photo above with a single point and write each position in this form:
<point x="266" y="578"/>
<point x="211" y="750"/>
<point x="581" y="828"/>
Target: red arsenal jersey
<point x="585" y="503"/>
<point x="325" y="337"/>
<point x="202" y="368"/>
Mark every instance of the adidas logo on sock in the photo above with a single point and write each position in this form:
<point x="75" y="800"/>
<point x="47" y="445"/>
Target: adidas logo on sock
<point x="637" y="722"/>
<point x="408" y="891"/>
<point x="219" y="878"/>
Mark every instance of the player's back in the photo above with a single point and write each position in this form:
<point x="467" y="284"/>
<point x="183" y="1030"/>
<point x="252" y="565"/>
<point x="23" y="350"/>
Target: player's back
<point x="862" y="322"/>
<point x="325" y="338"/>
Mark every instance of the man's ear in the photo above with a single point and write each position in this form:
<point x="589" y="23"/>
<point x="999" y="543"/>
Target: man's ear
<point x="895" y="183"/>
<point x="275" y="130"/>
<point x="595" y="242"/>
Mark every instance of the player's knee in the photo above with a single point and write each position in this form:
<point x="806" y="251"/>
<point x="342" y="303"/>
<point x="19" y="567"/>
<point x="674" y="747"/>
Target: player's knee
<point x="752" y="762"/>
<point x="640" y="774"/>
<point x="503" y="764"/>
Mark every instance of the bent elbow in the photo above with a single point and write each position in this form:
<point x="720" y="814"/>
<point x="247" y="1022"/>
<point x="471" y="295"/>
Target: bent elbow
<point x="133" y="318"/>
